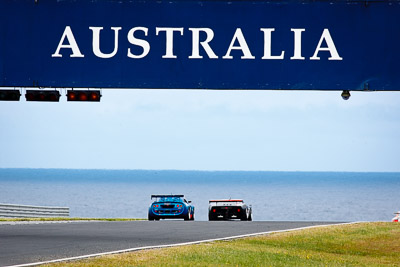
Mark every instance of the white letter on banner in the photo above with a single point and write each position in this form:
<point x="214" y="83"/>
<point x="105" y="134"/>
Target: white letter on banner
<point x="71" y="44"/>
<point x="297" y="44"/>
<point x="139" y="42"/>
<point x="331" y="47"/>
<point x="267" y="45"/>
<point x="169" y="40"/>
<point x="204" y="44"/>
<point x="242" y="46"/>
<point x="96" y="42"/>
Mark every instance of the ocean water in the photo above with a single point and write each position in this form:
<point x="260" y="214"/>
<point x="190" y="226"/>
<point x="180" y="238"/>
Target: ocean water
<point x="289" y="196"/>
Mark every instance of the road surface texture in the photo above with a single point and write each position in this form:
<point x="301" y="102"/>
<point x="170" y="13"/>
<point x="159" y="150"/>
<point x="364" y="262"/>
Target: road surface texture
<point x="30" y="243"/>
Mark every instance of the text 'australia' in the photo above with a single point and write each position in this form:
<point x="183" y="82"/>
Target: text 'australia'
<point x="168" y="34"/>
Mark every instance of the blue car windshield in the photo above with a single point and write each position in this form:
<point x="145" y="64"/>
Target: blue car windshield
<point x="170" y="199"/>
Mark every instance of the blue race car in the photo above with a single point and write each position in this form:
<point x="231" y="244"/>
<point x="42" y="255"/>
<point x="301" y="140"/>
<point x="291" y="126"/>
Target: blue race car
<point x="170" y="207"/>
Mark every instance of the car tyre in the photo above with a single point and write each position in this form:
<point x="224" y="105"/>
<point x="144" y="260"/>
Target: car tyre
<point x="250" y="218"/>
<point x="244" y="216"/>
<point x="188" y="216"/>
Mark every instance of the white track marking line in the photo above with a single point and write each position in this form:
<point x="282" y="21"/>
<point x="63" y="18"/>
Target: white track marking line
<point x="174" y="245"/>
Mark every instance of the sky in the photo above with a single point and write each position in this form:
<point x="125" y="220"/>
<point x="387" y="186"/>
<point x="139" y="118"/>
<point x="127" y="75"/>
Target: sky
<point x="206" y="130"/>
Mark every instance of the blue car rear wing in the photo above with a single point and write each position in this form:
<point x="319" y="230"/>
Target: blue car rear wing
<point x="156" y="196"/>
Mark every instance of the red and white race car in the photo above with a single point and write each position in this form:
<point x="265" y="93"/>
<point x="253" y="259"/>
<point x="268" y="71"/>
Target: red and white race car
<point x="225" y="209"/>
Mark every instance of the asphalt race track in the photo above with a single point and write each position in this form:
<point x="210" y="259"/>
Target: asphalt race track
<point x="30" y="243"/>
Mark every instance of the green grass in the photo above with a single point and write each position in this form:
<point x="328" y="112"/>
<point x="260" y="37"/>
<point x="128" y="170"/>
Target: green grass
<point x="66" y="219"/>
<point x="364" y="244"/>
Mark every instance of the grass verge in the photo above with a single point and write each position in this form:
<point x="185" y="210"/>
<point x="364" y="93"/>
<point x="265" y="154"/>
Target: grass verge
<point x="363" y="244"/>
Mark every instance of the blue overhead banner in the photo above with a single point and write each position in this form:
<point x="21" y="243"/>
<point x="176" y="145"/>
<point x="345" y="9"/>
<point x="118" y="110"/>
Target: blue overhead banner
<point x="204" y="44"/>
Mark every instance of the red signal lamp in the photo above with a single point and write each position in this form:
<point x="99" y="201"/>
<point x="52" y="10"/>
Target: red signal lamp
<point x="94" y="96"/>
<point x="72" y="96"/>
<point x="84" y="95"/>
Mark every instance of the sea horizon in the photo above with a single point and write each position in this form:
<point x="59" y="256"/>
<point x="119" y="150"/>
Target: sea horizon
<point x="274" y="195"/>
